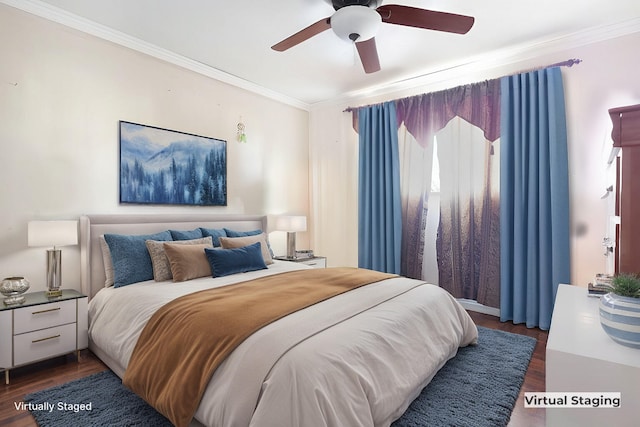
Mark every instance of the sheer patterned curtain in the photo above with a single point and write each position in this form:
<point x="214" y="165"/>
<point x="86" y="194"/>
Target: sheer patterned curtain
<point x="379" y="209"/>
<point x="424" y="116"/>
<point x="468" y="242"/>
<point x="534" y="197"/>
<point x="416" y="162"/>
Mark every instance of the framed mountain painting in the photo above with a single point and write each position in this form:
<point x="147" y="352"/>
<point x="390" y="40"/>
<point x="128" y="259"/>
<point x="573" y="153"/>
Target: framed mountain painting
<point x="167" y="167"/>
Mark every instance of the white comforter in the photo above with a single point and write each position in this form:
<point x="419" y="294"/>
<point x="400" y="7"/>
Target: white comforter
<point x="358" y="359"/>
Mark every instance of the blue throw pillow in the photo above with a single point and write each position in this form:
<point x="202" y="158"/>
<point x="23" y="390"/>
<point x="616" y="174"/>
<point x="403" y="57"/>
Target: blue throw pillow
<point x="186" y="235"/>
<point x="130" y="257"/>
<point x="225" y="262"/>
<point x="215" y="234"/>
<point x="234" y="233"/>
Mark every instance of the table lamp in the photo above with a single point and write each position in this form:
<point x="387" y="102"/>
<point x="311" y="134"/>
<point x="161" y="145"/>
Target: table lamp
<point x="291" y="224"/>
<point x="55" y="234"/>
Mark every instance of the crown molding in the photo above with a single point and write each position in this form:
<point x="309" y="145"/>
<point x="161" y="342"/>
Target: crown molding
<point x="453" y="72"/>
<point x="51" y="13"/>
<point x="438" y="74"/>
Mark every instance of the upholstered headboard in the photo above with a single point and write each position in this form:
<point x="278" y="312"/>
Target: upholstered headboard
<point x="94" y="226"/>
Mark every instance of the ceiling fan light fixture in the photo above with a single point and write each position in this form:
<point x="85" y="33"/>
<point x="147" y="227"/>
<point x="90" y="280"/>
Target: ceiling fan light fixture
<point x="355" y="23"/>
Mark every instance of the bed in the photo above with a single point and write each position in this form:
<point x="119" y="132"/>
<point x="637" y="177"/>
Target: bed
<point x="358" y="358"/>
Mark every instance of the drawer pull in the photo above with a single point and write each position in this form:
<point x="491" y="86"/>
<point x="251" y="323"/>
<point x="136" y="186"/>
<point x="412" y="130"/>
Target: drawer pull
<point x="45" y="339"/>
<point x="46" y="311"/>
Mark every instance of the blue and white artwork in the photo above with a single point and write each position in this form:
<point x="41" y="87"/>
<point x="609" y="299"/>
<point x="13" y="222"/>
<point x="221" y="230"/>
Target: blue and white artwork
<point x="161" y="166"/>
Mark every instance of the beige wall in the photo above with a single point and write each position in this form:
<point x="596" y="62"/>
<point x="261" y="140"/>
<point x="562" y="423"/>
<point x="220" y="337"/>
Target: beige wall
<point x="608" y="77"/>
<point x="62" y="93"/>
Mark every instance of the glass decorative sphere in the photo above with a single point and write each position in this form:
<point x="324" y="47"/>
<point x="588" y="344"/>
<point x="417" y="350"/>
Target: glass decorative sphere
<point x="13" y="288"/>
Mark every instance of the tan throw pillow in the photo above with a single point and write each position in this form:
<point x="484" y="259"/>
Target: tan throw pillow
<point x="187" y="261"/>
<point x="239" y="242"/>
<point x="159" y="260"/>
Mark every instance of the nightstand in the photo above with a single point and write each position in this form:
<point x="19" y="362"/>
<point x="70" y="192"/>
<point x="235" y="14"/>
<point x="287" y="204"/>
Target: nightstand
<point x="315" y="262"/>
<point x="42" y="328"/>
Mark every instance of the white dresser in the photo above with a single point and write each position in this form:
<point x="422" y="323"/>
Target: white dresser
<point x="581" y="357"/>
<point x="42" y="328"/>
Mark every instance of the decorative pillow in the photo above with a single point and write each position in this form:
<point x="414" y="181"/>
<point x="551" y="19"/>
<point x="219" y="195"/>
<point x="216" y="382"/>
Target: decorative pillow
<point x="215" y="234"/>
<point x="238" y="242"/>
<point x="130" y="257"/>
<point x="186" y="235"/>
<point x="225" y="262"/>
<point x="159" y="260"/>
<point x="235" y="233"/>
<point x="187" y="261"/>
<point x="106" y="261"/>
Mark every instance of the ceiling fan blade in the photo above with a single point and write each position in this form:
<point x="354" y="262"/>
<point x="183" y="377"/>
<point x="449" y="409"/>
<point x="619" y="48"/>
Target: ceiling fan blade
<point x="369" y="55"/>
<point x="427" y="19"/>
<point x="302" y="35"/>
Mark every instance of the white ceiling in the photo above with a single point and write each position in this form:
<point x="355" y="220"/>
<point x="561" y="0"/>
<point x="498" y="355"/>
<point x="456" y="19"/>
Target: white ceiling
<point x="234" y="36"/>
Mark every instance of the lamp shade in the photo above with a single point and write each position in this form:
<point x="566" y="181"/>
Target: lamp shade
<point x="291" y="223"/>
<point x="52" y="233"/>
<point x="355" y="23"/>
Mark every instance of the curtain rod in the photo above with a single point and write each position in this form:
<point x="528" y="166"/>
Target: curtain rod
<point x="568" y="63"/>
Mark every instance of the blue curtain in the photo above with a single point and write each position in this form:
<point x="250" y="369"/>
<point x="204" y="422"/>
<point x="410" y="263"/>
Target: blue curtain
<point x="534" y="196"/>
<point x="379" y="207"/>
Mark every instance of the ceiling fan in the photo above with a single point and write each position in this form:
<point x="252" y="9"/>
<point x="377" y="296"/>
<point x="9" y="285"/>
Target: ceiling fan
<point x="358" y="21"/>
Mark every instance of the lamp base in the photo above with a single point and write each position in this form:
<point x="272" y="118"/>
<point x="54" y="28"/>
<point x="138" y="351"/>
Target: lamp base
<point x="54" y="272"/>
<point x="291" y="245"/>
<point x="54" y="293"/>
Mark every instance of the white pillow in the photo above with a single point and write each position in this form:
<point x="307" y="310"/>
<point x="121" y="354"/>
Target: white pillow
<point x="107" y="262"/>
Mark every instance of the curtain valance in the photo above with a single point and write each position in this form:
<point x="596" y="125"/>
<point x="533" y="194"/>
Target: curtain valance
<point x="477" y="103"/>
<point x="426" y="114"/>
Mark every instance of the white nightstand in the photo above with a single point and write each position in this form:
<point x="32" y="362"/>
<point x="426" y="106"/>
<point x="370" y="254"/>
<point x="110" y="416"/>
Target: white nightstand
<point x="42" y="328"/>
<point x="315" y="262"/>
<point x="581" y="357"/>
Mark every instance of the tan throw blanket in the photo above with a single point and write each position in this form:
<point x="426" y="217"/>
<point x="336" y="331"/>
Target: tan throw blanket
<point x="185" y="340"/>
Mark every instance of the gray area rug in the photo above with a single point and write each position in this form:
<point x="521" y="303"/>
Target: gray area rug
<point x="479" y="387"/>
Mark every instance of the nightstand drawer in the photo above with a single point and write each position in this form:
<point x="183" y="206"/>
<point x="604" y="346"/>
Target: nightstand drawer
<point x="43" y="344"/>
<point x="43" y="316"/>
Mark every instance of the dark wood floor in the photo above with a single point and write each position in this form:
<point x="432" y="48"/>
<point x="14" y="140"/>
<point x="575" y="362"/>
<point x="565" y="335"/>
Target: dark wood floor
<point x="64" y="369"/>
<point x="39" y="376"/>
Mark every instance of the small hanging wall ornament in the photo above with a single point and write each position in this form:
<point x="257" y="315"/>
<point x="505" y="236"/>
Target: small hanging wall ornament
<point x="241" y="136"/>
